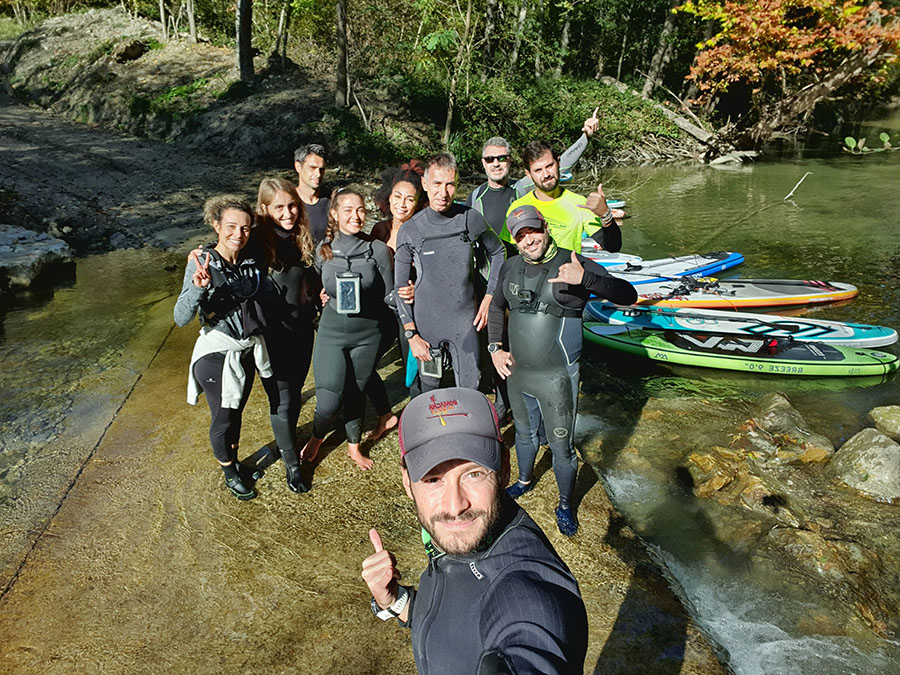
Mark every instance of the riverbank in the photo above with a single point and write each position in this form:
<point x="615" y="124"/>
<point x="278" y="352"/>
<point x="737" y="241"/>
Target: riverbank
<point x="115" y="517"/>
<point x="160" y="126"/>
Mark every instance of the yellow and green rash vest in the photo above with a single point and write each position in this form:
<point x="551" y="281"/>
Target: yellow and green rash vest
<point x="566" y="220"/>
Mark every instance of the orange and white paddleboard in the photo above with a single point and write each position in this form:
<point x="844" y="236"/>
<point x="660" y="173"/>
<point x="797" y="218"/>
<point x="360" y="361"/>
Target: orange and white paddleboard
<point x="742" y="293"/>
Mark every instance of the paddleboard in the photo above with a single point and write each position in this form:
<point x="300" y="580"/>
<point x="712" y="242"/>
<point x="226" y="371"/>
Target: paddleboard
<point x="661" y="269"/>
<point x="754" y="355"/>
<point x="714" y="293"/>
<point x="591" y="249"/>
<point x="615" y="203"/>
<point x="718" y="322"/>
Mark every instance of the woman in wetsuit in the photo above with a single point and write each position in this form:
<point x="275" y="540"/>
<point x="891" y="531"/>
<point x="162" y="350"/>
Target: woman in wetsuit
<point x="403" y="192"/>
<point x="290" y="309"/>
<point x="224" y="285"/>
<point x="356" y="274"/>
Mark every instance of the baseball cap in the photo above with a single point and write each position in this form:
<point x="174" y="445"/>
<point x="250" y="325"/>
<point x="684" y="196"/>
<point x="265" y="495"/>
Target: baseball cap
<point x="524" y="216"/>
<point x="445" y="424"/>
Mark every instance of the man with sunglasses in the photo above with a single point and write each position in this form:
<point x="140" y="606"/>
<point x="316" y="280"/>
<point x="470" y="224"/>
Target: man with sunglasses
<point x="492" y="199"/>
<point x="545" y="289"/>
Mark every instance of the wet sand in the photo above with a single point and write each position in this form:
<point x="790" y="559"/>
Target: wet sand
<point x="149" y="565"/>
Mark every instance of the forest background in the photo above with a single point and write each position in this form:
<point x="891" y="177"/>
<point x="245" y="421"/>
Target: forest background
<point x="408" y="77"/>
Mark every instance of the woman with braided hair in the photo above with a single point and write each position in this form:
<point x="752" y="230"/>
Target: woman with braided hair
<point x="357" y="277"/>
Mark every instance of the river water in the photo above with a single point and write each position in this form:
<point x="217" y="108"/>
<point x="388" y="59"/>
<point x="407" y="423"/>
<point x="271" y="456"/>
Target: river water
<point x="841" y="224"/>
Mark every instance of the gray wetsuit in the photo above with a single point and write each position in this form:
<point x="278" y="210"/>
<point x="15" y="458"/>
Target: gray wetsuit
<point x="346" y="348"/>
<point x="442" y="246"/>
<point x="545" y="343"/>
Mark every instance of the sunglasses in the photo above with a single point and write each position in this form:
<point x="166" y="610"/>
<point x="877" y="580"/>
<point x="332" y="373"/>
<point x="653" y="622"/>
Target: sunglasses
<point x="490" y="159"/>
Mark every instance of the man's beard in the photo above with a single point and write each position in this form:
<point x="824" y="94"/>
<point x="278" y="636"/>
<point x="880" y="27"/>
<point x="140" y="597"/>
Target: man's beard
<point x="549" y="185"/>
<point x="475" y="540"/>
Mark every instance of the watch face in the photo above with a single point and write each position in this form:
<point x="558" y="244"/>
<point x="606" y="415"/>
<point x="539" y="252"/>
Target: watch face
<point x="408" y="334"/>
<point x="493" y="347"/>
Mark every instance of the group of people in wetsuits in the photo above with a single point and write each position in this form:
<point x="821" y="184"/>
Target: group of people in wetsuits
<point x="431" y="274"/>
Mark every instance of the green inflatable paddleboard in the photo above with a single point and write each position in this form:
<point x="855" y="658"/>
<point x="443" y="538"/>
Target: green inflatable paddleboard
<point x="775" y="356"/>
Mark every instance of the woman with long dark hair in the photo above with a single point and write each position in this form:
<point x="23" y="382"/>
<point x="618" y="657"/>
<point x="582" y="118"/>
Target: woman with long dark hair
<point x="356" y="274"/>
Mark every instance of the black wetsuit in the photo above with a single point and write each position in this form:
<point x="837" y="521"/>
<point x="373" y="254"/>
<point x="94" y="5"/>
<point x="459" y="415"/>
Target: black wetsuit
<point x="545" y="343"/>
<point x="317" y="214"/>
<point x="291" y="305"/>
<point x="442" y="246"/>
<point x="228" y="305"/>
<point x="512" y="608"/>
<point x="346" y="349"/>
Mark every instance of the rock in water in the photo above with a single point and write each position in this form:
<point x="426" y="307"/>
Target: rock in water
<point x="887" y="420"/>
<point x="28" y="257"/>
<point x="779" y="433"/>
<point x="870" y="462"/>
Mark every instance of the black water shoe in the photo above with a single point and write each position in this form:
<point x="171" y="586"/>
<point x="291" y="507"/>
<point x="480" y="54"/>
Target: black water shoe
<point x="295" y="480"/>
<point x="235" y="483"/>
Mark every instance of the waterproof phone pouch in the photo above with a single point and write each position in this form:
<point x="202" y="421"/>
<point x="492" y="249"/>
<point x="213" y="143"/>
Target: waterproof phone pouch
<point x="347" y="284"/>
<point x="435" y="367"/>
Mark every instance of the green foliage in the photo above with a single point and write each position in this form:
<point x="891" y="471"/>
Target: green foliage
<point x="859" y="147"/>
<point x="356" y="145"/>
<point x="553" y="110"/>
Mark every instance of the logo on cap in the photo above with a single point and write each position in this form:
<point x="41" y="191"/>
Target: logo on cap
<point x="442" y="409"/>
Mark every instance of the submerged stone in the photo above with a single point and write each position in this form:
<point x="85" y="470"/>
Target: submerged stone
<point x="870" y="463"/>
<point x="779" y="433"/>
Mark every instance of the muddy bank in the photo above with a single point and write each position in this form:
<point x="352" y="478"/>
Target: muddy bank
<point x="134" y="557"/>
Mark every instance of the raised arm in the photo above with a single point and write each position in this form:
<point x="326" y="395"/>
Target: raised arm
<point x="192" y="293"/>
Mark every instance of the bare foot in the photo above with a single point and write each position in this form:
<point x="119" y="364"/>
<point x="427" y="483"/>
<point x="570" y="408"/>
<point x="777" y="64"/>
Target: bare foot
<point x="362" y="462"/>
<point x="385" y="423"/>
<point x="311" y="449"/>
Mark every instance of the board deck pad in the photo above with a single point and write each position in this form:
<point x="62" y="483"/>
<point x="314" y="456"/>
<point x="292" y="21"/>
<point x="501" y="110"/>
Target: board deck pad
<point x="760" y="355"/>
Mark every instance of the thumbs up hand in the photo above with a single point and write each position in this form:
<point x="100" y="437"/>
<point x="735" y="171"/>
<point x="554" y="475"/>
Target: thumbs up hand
<point x="379" y="571"/>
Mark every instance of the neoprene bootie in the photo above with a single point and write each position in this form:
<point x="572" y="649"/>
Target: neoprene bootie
<point x="248" y="474"/>
<point x="237" y="486"/>
<point x="292" y="471"/>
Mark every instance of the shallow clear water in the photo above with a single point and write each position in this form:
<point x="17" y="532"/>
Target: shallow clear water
<point x="842" y="224"/>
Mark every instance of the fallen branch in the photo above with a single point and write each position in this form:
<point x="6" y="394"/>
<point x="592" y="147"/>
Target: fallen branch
<point x="791" y="193"/>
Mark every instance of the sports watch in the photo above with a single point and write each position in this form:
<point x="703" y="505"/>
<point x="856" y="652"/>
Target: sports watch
<point x="494" y="347"/>
<point x="410" y="333"/>
<point x="395" y="609"/>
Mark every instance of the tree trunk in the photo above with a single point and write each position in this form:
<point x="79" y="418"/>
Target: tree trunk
<point x="563" y="45"/>
<point x="489" y="23"/>
<point x="692" y="90"/>
<point x="163" y="19"/>
<point x="520" y="27"/>
<point x="539" y="29"/>
<point x="624" y="43"/>
<point x="342" y="93"/>
<point x="192" y="20"/>
<point x="663" y="53"/>
<point x="243" y="26"/>
<point x="287" y="31"/>
<point x="457" y="71"/>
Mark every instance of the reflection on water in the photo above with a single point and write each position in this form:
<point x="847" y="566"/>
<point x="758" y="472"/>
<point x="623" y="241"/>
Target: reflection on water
<point x="842" y="224"/>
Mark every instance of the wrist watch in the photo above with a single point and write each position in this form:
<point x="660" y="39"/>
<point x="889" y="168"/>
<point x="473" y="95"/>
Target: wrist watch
<point x="395" y="609"/>
<point x="410" y="333"/>
<point x="494" y="347"/>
